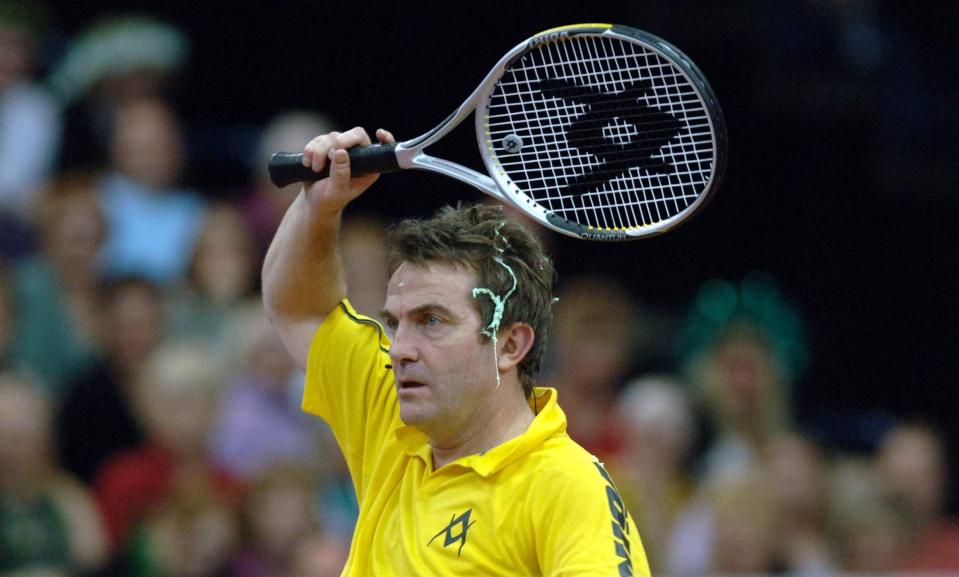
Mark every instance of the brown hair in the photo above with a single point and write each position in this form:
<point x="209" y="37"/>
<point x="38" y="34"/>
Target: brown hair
<point x="474" y="236"/>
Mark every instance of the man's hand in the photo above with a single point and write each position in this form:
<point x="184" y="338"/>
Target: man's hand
<point x="330" y="195"/>
<point x="302" y="273"/>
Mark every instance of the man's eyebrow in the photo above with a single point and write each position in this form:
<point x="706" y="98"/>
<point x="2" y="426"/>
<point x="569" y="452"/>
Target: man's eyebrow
<point x="422" y="309"/>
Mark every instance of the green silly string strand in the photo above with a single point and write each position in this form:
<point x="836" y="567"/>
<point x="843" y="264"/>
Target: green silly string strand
<point x="499" y="303"/>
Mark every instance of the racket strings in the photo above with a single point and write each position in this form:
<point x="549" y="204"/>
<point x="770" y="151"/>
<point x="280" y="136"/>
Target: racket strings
<point x="617" y="200"/>
<point x="613" y="134"/>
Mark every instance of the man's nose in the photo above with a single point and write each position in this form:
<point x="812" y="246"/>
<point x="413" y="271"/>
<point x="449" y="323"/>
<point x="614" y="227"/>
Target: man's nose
<point x="403" y="346"/>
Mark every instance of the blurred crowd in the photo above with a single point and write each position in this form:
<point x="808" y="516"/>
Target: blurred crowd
<point x="149" y="418"/>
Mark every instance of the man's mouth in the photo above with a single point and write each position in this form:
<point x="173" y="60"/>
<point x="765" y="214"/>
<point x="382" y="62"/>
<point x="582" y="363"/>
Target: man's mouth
<point x="406" y="385"/>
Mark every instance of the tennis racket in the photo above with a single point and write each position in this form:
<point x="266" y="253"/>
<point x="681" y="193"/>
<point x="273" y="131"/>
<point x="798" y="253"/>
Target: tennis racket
<point x="597" y="131"/>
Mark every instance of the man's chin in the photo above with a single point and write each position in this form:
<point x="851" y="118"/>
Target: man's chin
<point x="415" y="413"/>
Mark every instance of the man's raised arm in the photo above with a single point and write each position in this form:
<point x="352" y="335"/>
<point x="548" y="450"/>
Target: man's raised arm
<point x="302" y="274"/>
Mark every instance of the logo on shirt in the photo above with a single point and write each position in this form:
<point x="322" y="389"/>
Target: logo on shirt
<point x="455" y="531"/>
<point x="620" y="524"/>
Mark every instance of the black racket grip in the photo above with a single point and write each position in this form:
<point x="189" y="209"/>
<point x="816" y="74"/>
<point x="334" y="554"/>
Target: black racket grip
<point x="287" y="167"/>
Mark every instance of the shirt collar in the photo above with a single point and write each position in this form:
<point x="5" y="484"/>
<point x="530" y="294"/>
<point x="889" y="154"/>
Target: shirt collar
<point x="549" y="420"/>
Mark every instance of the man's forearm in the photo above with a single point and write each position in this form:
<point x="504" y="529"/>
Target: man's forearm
<point x="302" y="272"/>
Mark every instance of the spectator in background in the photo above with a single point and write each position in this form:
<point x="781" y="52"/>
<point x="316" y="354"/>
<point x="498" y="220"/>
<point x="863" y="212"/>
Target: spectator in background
<point x="364" y="254"/>
<point x="48" y="522"/>
<point x="797" y="474"/>
<point x="265" y="206"/>
<point x="867" y="531"/>
<point x="731" y="528"/>
<point x="97" y="419"/>
<point x="221" y="277"/>
<point x="913" y="470"/>
<point x="363" y="248"/>
<point x="258" y="423"/>
<point x="336" y="498"/>
<point x="153" y="224"/>
<point x="29" y="121"/>
<point x="195" y="534"/>
<point x="279" y="513"/>
<point x="113" y="61"/>
<point x="592" y="343"/>
<point x="657" y="430"/>
<point x="746" y="526"/>
<point x="176" y="398"/>
<point x="742" y="348"/>
<point x="55" y="291"/>
<point x="319" y="555"/>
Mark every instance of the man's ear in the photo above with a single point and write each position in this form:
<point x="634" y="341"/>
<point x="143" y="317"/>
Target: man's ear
<point x="514" y="343"/>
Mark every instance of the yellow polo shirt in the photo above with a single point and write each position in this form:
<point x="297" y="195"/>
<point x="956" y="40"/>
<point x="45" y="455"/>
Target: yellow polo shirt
<point x="538" y="504"/>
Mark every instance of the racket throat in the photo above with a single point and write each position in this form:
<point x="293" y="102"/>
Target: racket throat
<point x="417" y="159"/>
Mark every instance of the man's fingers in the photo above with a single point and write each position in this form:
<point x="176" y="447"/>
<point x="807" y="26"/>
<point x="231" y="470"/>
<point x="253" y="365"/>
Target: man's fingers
<point x="340" y="168"/>
<point x="359" y="132"/>
<point x="332" y="148"/>
<point x="384" y="136"/>
<point x="353" y="137"/>
<point x="316" y="151"/>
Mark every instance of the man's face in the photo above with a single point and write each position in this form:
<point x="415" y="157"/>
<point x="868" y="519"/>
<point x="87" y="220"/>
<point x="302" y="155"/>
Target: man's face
<point x="445" y="372"/>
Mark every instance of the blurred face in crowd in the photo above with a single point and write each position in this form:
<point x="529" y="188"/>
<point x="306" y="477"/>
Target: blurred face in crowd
<point x="873" y="542"/>
<point x="742" y="384"/>
<point x="180" y="420"/>
<point x="319" y="556"/>
<point x="24" y="434"/>
<point x="197" y="541"/>
<point x="363" y="248"/>
<point x="797" y="475"/>
<point x="280" y="515"/>
<point x="657" y="424"/>
<point x="146" y="144"/>
<point x="745" y="525"/>
<point x="268" y="359"/>
<point x="912" y="469"/>
<point x="134" y="325"/>
<point x="594" y="343"/>
<point x="177" y="396"/>
<point x="745" y="370"/>
<point x="223" y="265"/>
<point x="866" y="527"/>
<point x="72" y="228"/>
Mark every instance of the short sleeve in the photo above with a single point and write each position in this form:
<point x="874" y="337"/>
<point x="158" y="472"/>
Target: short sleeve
<point x="349" y="385"/>
<point x="583" y="527"/>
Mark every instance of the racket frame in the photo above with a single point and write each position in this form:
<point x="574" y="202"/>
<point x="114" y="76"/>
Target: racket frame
<point x="410" y="154"/>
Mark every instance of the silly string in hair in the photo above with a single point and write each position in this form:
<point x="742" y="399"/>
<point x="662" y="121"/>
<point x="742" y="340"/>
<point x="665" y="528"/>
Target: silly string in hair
<point x="499" y="302"/>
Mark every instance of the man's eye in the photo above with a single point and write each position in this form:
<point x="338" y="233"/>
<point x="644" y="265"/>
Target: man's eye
<point x="391" y="324"/>
<point x="433" y="321"/>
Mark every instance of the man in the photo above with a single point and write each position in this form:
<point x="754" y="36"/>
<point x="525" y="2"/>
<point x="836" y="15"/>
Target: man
<point x="460" y="465"/>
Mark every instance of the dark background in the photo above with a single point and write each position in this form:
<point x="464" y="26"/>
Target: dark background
<point x="842" y="118"/>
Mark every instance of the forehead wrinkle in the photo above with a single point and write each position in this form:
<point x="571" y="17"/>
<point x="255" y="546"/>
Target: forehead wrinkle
<point x="435" y="291"/>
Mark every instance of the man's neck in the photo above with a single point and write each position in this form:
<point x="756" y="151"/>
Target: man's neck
<point x="507" y="420"/>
